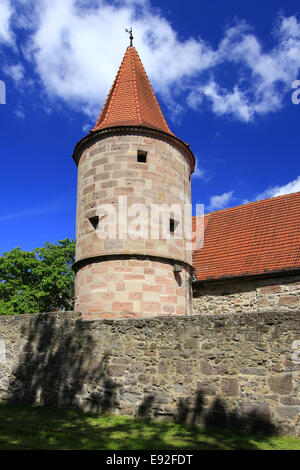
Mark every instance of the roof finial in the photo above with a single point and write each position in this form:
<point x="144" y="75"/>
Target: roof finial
<point x="129" y="31"/>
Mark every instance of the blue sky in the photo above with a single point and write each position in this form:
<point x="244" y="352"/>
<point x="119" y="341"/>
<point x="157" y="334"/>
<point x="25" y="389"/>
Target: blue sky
<point x="222" y="72"/>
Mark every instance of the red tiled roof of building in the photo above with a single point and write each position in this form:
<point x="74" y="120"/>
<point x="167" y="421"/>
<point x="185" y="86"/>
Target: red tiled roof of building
<point x="255" y="238"/>
<point x="131" y="100"/>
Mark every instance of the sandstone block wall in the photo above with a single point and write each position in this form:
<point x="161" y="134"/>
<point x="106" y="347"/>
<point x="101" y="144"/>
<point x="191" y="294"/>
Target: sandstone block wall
<point x="240" y="370"/>
<point x="109" y="169"/>
<point x="278" y="294"/>
<point x="131" y="288"/>
<point x="147" y="284"/>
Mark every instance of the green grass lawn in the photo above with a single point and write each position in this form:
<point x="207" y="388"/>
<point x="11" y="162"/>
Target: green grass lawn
<point x="29" y="427"/>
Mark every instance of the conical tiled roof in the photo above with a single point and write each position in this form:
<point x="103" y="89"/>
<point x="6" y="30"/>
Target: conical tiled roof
<point x="131" y="100"/>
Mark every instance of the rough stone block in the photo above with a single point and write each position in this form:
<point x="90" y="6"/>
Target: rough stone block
<point x="281" y="384"/>
<point x="229" y="387"/>
<point x="290" y="301"/>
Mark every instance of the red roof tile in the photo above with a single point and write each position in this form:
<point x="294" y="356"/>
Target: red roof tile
<point x="131" y="100"/>
<point x="256" y="238"/>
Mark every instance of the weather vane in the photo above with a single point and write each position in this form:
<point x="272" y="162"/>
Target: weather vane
<point x="129" y="31"/>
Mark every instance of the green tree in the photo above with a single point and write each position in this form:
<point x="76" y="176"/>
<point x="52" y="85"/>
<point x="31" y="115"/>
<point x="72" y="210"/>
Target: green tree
<point x="37" y="281"/>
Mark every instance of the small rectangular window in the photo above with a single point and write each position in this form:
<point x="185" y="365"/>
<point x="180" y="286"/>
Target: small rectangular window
<point x="173" y="225"/>
<point x="141" y="156"/>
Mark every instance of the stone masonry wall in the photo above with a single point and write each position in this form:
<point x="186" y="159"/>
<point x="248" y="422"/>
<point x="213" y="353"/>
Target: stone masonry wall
<point x="108" y="170"/>
<point x="132" y="288"/>
<point x="278" y="294"/>
<point x="239" y="370"/>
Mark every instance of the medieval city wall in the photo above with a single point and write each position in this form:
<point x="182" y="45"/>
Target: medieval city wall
<point x="240" y="370"/>
<point x="276" y="294"/>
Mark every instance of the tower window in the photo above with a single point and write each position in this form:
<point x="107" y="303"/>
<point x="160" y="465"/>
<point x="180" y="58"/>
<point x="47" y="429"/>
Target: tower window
<point x="173" y="225"/>
<point x="141" y="156"/>
<point x="94" y="221"/>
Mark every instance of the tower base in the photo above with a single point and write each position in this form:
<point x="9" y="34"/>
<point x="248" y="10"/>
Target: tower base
<point x="133" y="288"/>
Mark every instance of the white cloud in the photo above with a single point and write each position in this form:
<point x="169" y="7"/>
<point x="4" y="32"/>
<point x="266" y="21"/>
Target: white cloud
<point x="19" y="112"/>
<point x="268" y="76"/>
<point x="78" y="51"/>
<point x="223" y="101"/>
<point x="26" y="213"/>
<point x="76" y="48"/>
<point x="220" y="201"/>
<point x="272" y="72"/>
<point x="6" y="11"/>
<point x="199" y="172"/>
<point x="16" y="72"/>
<point x="292" y="187"/>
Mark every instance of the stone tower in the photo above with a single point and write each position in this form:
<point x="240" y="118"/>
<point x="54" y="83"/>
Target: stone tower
<point x="132" y="162"/>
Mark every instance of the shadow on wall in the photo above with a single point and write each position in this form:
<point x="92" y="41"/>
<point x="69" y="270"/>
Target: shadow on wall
<point x="218" y="417"/>
<point x="253" y="422"/>
<point x="60" y="367"/>
<point x="57" y="367"/>
<point x="221" y="290"/>
<point x="195" y="412"/>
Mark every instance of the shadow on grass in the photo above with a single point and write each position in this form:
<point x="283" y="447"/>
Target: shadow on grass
<point x="39" y="427"/>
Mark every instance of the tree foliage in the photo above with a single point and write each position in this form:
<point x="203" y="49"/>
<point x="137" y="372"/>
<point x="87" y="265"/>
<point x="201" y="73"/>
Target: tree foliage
<point x="37" y="281"/>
